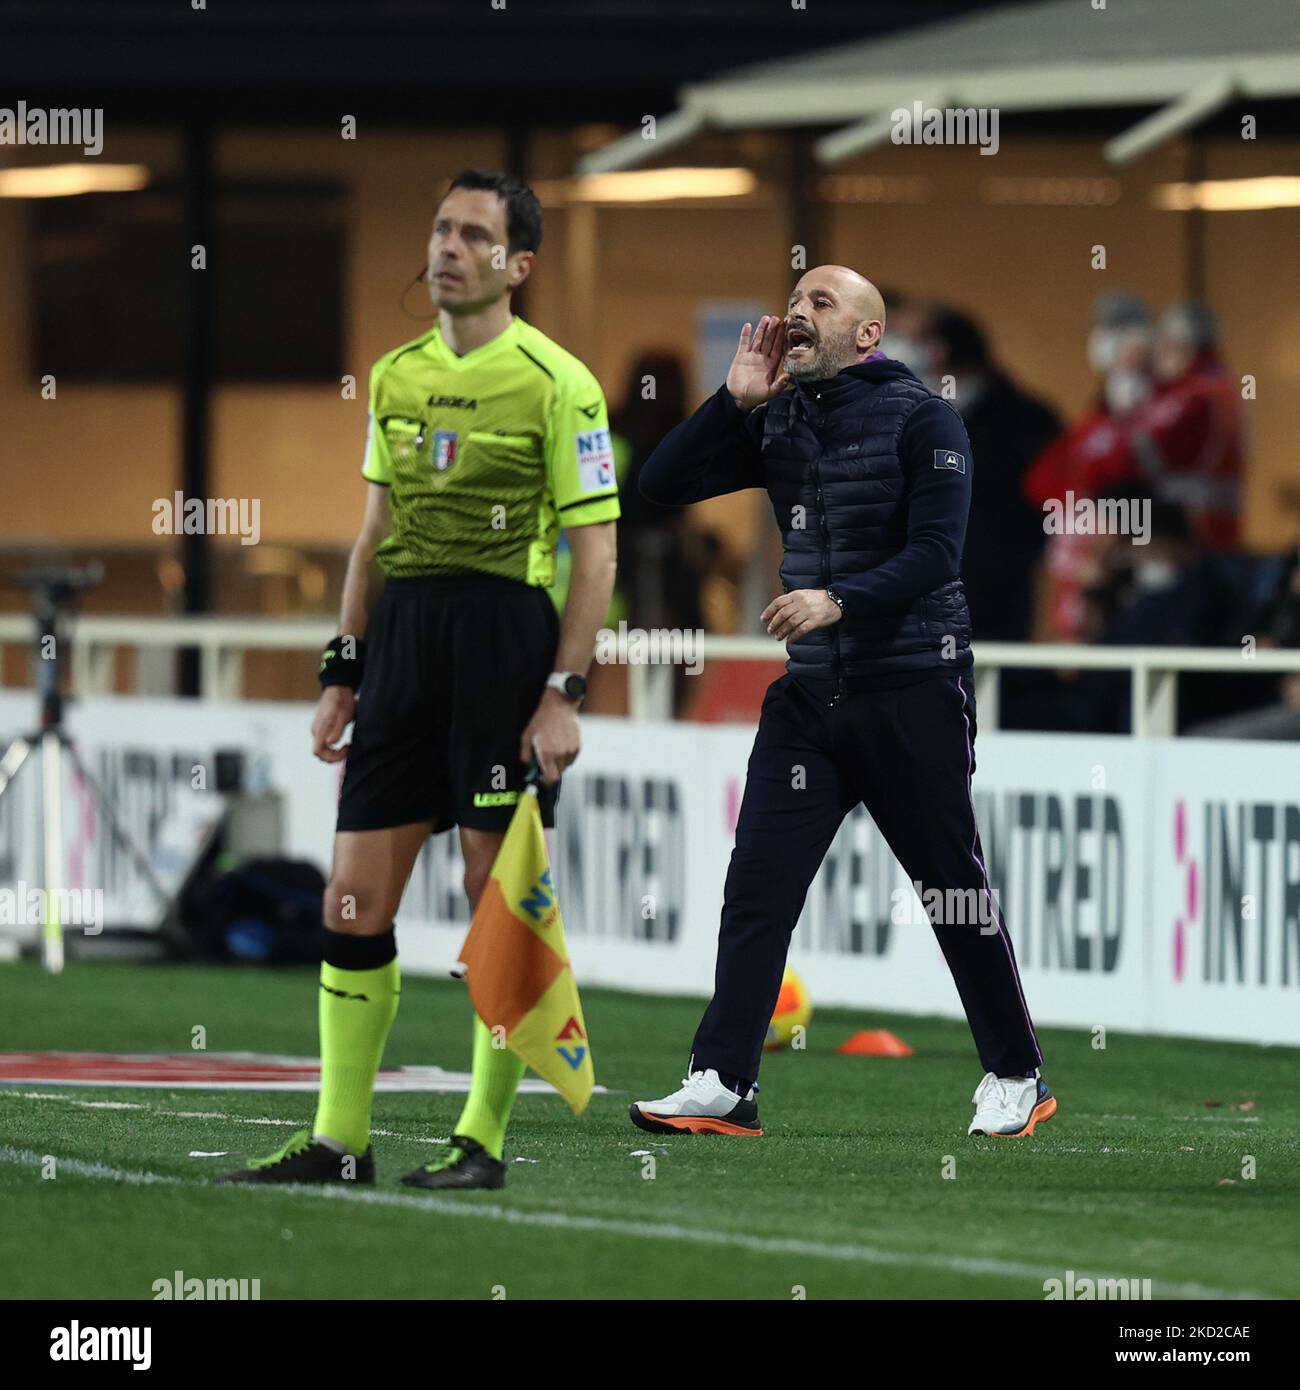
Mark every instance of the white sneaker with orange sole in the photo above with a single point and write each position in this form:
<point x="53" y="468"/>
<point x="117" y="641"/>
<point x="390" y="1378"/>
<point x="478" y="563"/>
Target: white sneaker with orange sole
<point x="1008" y="1107"/>
<point x="702" y="1106"/>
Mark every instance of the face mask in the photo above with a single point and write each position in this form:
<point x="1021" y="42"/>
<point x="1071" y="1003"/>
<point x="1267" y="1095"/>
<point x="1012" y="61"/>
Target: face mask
<point x="1125" y="391"/>
<point x="1153" y="575"/>
<point x="906" y="350"/>
<point x="1103" y="349"/>
<point x="968" y="387"/>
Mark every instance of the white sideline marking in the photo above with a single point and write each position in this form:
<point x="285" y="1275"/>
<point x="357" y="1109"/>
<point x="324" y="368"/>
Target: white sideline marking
<point x="135" y="1176"/>
<point x="208" y="1115"/>
<point x="641" y="1230"/>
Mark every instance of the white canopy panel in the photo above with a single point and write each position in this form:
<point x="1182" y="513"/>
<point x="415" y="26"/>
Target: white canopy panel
<point x="1192" y="55"/>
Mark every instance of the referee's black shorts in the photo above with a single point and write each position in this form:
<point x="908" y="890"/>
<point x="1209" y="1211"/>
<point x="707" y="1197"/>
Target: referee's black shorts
<point x="455" y="667"/>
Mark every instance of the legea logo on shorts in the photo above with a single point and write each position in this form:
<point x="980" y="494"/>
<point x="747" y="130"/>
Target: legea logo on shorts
<point x="482" y="799"/>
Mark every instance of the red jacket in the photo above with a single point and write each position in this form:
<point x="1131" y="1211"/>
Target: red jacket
<point x="1185" y="443"/>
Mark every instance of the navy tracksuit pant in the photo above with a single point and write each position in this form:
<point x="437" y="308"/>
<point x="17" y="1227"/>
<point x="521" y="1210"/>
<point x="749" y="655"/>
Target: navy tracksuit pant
<point x="907" y="754"/>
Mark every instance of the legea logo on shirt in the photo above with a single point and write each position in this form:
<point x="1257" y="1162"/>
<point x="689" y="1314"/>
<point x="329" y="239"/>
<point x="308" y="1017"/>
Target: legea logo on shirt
<point x="595" y="461"/>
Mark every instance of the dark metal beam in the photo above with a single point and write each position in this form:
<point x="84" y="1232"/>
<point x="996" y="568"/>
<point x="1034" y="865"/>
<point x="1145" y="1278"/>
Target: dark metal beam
<point x="200" y="371"/>
<point x="1194" y="247"/>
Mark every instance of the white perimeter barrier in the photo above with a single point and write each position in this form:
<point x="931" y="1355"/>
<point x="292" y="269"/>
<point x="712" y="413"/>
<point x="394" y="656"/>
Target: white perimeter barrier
<point x="222" y="643"/>
<point x="1150" y="885"/>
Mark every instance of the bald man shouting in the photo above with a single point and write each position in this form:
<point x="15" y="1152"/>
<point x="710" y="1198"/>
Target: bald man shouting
<point x="869" y="475"/>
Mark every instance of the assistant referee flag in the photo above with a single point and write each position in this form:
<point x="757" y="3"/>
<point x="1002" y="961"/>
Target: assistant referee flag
<point x="517" y="961"/>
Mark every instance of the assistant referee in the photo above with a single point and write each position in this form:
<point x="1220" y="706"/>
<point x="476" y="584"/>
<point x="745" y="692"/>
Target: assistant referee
<point x="485" y="440"/>
<point x="869" y="476"/>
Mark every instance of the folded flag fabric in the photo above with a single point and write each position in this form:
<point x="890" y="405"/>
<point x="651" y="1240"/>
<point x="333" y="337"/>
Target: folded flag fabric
<point x="517" y="962"/>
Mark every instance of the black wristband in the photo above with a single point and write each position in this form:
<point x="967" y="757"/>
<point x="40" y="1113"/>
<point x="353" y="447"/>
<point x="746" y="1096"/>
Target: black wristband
<point x="338" y="669"/>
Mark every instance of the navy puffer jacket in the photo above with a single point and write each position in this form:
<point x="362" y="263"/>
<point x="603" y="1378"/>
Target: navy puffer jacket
<point x="869" y="476"/>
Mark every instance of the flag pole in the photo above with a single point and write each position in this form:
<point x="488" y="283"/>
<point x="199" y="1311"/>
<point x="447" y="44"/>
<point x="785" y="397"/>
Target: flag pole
<point x="533" y="777"/>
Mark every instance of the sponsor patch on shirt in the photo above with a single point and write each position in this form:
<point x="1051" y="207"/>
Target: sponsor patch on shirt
<point x="947" y="458"/>
<point x="444" y="449"/>
<point x="595" y="461"/>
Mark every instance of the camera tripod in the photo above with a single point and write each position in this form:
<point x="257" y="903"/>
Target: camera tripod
<point x="53" y="590"/>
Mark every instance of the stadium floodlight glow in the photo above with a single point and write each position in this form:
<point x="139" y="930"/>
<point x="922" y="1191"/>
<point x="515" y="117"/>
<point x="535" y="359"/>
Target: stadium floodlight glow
<point x="67" y="180"/>
<point x="1229" y="195"/>
<point x="875" y="188"/>
<point x="1049" y="191"/>
<point x="1171" y="120"/>
<point x="663" y="185"/>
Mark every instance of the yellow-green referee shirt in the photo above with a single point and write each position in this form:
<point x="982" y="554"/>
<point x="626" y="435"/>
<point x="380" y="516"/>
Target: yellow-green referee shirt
<point x="488" y="455"/>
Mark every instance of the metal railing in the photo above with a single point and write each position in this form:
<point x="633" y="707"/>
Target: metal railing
<point x="1154" y="670"/>
<point x="223" y="641"/>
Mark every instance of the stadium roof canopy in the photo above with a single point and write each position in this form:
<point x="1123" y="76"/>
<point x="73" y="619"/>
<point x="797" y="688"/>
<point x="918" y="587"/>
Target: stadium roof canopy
<point x="1189" y="58"/>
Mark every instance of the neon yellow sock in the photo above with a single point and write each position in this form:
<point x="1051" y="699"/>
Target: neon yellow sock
<point x="497" y="1074"/>
<point x="357" y="1008"/>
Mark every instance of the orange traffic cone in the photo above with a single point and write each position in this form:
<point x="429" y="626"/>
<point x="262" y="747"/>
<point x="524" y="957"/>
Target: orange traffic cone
<point x="875" y="1042"/>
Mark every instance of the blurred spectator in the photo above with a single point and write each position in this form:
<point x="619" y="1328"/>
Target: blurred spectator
<point x="1096" y="451"/>
<point x="1168" y="417"/>
<point x="906" y="320"/>
<point x="1171" y="591"/>
<point x="1007" y="428"/>
<point x="1276" y="624"/>
<point x="1188" y="441"/>
<point x="660" y="559"/>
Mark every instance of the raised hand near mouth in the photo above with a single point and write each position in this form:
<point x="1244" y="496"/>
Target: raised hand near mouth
<point x="756" y="374"/>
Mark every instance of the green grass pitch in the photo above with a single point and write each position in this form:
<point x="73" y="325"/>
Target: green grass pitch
<point x="865" y="1185"/>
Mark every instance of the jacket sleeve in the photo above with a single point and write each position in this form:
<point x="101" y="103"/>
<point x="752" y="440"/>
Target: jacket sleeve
<point x="935" y="456"/>
<point x="716" y="451"/>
